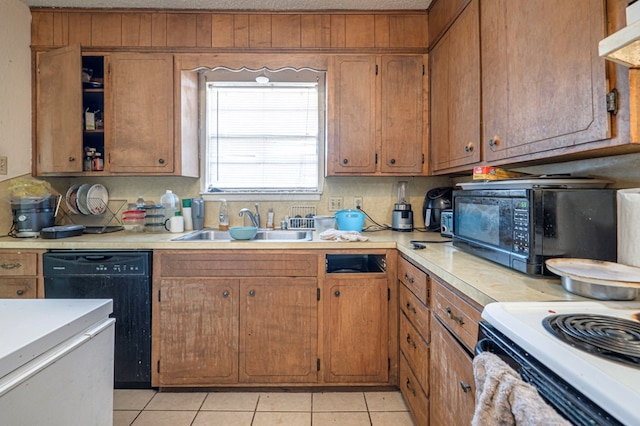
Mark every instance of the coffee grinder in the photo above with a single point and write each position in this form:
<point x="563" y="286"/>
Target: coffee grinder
<point x="402" y="219"/>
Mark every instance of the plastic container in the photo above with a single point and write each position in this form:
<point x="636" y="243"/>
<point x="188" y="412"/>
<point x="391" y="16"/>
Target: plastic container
<point x="322" y="223"/>
<point x="350" y="220"/>
<point x="186" y="213"/>
<point x="223" y="217"/>
<point x="171" y="204"/>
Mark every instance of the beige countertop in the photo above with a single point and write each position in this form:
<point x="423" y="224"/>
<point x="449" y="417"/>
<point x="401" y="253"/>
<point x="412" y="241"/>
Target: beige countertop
<point x="481" y="280"/>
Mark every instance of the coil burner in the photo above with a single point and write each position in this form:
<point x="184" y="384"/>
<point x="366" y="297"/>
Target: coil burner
<point x="615" y="339"/>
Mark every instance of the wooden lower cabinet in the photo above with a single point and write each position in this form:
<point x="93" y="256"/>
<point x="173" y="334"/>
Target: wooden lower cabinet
<point x="356" y="330"/>
<point x="278" y="330"/>
<point x="413" y="394"/>
<point x="21" y="274"/>
<point x="452" y="398"/>
<point x="199" y="339"/>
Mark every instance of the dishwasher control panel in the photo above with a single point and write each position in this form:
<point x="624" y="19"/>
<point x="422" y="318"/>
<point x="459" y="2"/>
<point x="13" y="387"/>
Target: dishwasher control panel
<point x="96" y="263"/>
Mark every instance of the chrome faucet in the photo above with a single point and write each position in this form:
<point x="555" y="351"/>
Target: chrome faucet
<point x="254" y="219"/>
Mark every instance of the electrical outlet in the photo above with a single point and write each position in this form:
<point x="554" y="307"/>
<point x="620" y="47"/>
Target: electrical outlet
<point x="335" y="204"/>
<point x="4" y="165"/>
<point x="357" y="203"/>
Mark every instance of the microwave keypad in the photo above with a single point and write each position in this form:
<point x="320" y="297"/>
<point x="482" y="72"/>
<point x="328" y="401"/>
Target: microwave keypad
<point x="521" y="230"/>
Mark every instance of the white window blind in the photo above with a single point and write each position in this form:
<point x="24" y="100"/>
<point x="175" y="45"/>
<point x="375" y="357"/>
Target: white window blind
<point x="263" y="137"/>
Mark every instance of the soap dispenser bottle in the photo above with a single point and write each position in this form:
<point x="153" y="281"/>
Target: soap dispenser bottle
<point x="223" y="216"/>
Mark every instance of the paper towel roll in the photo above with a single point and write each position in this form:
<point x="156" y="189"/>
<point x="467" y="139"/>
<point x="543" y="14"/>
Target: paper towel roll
<point x="629" y="226"/>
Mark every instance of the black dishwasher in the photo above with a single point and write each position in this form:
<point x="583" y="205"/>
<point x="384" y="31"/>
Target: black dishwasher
<point x="125" y="277"/>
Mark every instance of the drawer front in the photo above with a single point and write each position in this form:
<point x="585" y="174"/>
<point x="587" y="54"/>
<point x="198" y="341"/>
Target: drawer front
<point x="18" y="288"/>
<point x="236" y="264"/>
<point x="415" y="279"/>
<point x="417" y="313"/>
<point x="416" y="399"/>
<point x="416" y="351"/>
<point x="13" y="264"/>
<point x="461" y="317"/>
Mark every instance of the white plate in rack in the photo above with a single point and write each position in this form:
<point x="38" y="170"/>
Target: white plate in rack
<point x="81" y="199"/>
<point x="97" y="199"/>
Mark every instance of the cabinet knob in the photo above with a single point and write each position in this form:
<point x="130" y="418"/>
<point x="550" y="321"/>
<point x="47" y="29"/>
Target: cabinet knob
<point x="468" y="147"/>
<point x="494" y="142"/>
<point x="72" y="158"/>
<point x="336" y="293"/>
<point x="453" y="317"/>
<point x="345" y="161"/>
<point x="411" y="308"/>
<point x="392" y="161"/>
<point x="408" y="279"/>
<point x="225" y="293"/>
<point x="20" y="292"/>
<point x="161" y="160"/>
<point x="252" y="293"/>
<point x="466" y="387"/>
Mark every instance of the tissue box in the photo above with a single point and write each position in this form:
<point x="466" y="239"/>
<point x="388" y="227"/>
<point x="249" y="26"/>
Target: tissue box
<point x="493" y="173"/>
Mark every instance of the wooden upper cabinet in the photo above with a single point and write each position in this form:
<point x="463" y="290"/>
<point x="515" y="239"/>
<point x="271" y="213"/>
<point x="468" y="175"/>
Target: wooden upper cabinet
<point x="403" y="97"/>
<point x="376" y="115"/>
<point x="59" y="111"/>
<point x="352" y="119"/>
<point x="455" y="94"/>
<point x="543" y="83"/>
<point x="141" y="99"/>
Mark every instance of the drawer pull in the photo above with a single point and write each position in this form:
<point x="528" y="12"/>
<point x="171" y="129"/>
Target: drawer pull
<point x="225" y="293"/>
<point x="408" y="279"/>
<point x="453" y="317"/>
<point x="10" y="266"/>
<point x="252" y="293"/>
<point x="411" y="308"/>
<point x="20" y="292"/>
<point x="410" y="341"/>
<point x="410" y="388"/>
<point x="337" y="293"/>
<point x="466" y="387"/>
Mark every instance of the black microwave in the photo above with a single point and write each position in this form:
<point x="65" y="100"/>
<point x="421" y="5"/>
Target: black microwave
<point x="521" y="228"/>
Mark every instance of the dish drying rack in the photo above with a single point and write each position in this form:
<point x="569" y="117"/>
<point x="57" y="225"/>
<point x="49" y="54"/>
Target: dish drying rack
<point x="301" y="217"/>
<point x="98" y="222"/>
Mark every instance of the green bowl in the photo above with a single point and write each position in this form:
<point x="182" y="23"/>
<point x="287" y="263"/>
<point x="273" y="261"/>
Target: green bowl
<point x="243" y="232"/>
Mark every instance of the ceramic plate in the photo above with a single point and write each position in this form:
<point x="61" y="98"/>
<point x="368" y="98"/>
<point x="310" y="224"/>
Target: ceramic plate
<point x="81" y="200"/>
<point x="97" y="199"/>
<point x="70" y="198"/>
<point x="596" y="271"/>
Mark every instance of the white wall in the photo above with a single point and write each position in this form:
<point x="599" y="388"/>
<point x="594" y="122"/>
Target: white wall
<point x="15" y="87"/>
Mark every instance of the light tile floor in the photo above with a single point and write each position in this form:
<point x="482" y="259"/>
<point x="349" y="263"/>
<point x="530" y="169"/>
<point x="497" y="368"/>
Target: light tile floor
<point x="148" y="407"/>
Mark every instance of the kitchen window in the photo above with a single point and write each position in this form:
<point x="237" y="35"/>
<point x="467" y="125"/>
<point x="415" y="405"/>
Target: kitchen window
<point x="264" y="131"/>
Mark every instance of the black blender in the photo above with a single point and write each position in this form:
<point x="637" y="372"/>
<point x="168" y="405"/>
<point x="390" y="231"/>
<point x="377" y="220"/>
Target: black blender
<point x="402" y="219"/>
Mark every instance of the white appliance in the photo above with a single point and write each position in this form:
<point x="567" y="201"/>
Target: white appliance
<point x="611" y="384"/>
<point x="56" y="362"/>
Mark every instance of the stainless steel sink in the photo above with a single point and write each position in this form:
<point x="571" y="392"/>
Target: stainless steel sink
<point x="267" y="235"/>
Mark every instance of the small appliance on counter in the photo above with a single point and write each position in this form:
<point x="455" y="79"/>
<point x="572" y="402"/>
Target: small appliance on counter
<point x="435" y="202"/>
<point x="30" y="215"/>
<point x="402" y="217"/>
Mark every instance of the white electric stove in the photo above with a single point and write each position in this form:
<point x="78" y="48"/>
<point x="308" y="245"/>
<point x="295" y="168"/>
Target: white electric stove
<point x="611" y="384"/>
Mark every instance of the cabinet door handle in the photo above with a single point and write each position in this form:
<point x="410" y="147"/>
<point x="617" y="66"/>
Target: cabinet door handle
<point x="337" y="293"/>
<point x="468" y="147"/>
<point x="408" y="279"/>
<point x="494" y="142"/>
<point x="72" y="158"/>
<point x="345" y="161"/>
<point x="10" y="266"/>
<point x="410" y="388"/>
<point x="453" y="317"/>
<point x="466" y="387"/>
<point x="411" y="342"/>
<point x="20" y="292"/>
<point x="392" y="161"/>
<point x="252" y="293"/>
<point x="411" y="308"/>
<point x="225" y="293"/>
<point x="161" y="161"/>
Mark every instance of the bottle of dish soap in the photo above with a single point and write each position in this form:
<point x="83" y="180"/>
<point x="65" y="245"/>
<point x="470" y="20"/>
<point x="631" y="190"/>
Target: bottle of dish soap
<point x="223" y="217"/>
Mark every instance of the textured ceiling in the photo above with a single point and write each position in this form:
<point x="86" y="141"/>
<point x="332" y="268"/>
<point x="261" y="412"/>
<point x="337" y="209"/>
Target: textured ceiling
<point x="239" y="4"/>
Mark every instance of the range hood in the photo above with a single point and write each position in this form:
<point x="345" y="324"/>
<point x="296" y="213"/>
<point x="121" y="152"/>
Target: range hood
<point x="623" y="46"/>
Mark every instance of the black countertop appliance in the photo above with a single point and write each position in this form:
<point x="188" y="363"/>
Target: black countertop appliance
<point x="436" y="200"/>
